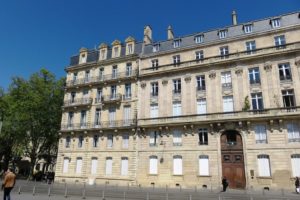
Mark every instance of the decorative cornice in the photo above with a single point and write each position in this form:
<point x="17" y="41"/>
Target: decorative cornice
<point x="116" y="42"/>
<point x="212" y="74"/>
<point x="297" y="62"/>
<point x="268" y="66"/>
<point x="164" y="81"/>
<point x="129" y="39"/>
<point x="143" y="84"/>
<point x="239" y="71"/>
<point x="188" y="78"/>
<point x="102" y="46"/>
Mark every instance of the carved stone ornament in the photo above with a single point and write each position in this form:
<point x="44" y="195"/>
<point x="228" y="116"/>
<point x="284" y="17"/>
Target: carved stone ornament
<point x="164" y="81"/>
<point x="297" y="62"/>
<point x="212" y="74"/>
<point x="187" y="78"/>
<point x="239" y="71"/>
<point x="268" y="66"/>
<point x="143" y="84"/>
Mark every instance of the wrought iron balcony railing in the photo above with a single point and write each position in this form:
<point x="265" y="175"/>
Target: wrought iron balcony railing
<point x="78" y="102"/>
<point x="99" y="125"/>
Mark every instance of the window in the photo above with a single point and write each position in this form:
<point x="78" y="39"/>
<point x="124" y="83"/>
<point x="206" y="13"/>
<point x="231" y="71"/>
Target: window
<point x="176" y="43"/>
<point x="85" y="94"/>
<point x="155" y="48"/>
<point x="83" y="119"/>
<point x="227" y="104"/>
<point x="154" y="64"/>
<point x="99" y="95"/>
<point x="177" y="165"/>
<point x="82" y="58"/>
<point x="66" y="165"/>
<point x="130" y="48"/>
<point x="127" y="90"/>
<point x="201" y="106"/>
<point x="199" y="55"/>
<point x="154" y="110"/>
<point x="275" y="23"/>
<point x="293" y="132"/>
<point x="200" y="82"/>
<point x="264" y="165"/>
<point x="68" y="142"/>
<point x="108" y="166"/>
<point x="223" y="34"/>
<point x="176" y="108"/>
<point x="113" y="92"/>
<point x="279" y="41"/>
<point x="128" y="69"/>
<point x="224" y="52"/>
<point x="75" y="75"/>
<point x="103" y="54"/>
<point x="177" y="138"/>
<point x="285" y="71"/>
<point x="248" y="28"/>
<point x="226" y="80"/>
<point x="80" y="141"/>
<point x="260" y="134"/>
<point x="110" y="141"/>
<point x="72" y="97"/>
<point x="203" y="165"/>
<point x="199" y="39"/>
<point x="114" y="72"/>
<point x="127" y="116"/>
<point x="95" y="141"/>
<point x="125" y="141"/>
<point x="257" y="101"/>
<point x="176" y="86"/>
<point x="98" y="118"/>
<point x="153" y="165"/>
<point x="78" y="165"/>
<point x="124" y="166"/>
<point x="254" y="76"/>
<point x="87" y="76"/>
<point x="116" y="51"/>
<point x="101" y="74"/>
<point x="153" y="138"/>
<point x="70" y="120"/>
<point x="250" y="47"/>
<point x="295" y="158"/>
<point x="94" y="166"/>
<point x="176" y="59"/>
<point x="288" y="98"/>
<point x="203" y="136"/>
<point x="154" y="89"/>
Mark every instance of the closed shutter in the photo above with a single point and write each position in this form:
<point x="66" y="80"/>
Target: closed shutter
<point x="124" y="166"/>
<point x="177" y="109"/>
<point x="296" y="165"/>
<point x="203" y="165"/>
<point x="154" y="111"/>
<point x="127" y="115"/>
<point x="264" y="165"/>
<point x="78" y="165"/>
<point x="152" y="138"/>
<point x="109" y="140"/>
<point x="108" y="168"/>
<point x="94" y="166"/>
<point x="177" y="137"/>
<point x="260" y="133"/>
<point x="228" y="104"/>
<point x="177" y="165"/>
<point x="66" y="165"/>
<point x="125" y="140"/>
<point x="153" y="165"/>
<point x="112" y="116"/>
<point x="201" y="106"/>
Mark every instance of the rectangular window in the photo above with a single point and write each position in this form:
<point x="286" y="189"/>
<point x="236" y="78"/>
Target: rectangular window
<point x="275" y="23"/>
<point x="155" y="48"/>
<point x="260" y="134"/>
<point x="68" y="142"/>
<point x="87" y="76"/>
<point x="154" y="110"/>
<point x="257" y="101"/>
<point x="72" y="97"/>
<point x="203" y="165"/>
<point x="177" y="138"/>
<point x="177" y="165"/>
<point x="176" y="108"/>
<point x="85" y="94"/>
<point x="80" y="141"/>
<point x="223" y="34"/>
<point x="95" y="141"/>
<point x="203" y="136"/>
<point x="154" y="89"/>
<point x="101" y="74"/>
<point x="248" y="28"/>
<point x="176" y="59"/>
<point x="228" y="104"/>
<point x="124" y="166"/>
<point x="98" y="118"/>
<point x="114" y="72"/>
<point x="116" y="51"/>
<point x="108" y="166"/>
<point x="99" y="95"/>
<point x="280" y="41"/>
<point x="254" y="76"/>
<point x="128" y="69"/>
<point x="66" y="165"/>
<point x="199" y="39"/>
<point x="296" y="164"/>
<point x="94" y="166"/>
<point x="125" y="141"/>
<point x="75" y="75"/>
<point x="154" y="64"/>
<point x="78" y="165"/>
<point x="200" y="82"/>
<point x="226" y="80"/>
<point x="264" y="165"/>
<point x="176" y="43"/>
<point x="82" y="58"/>
<point x="153" y="138"/>
<point x="127" y="91"/>
<point x="130" y="48"/>
<point x="199" y="55"/>
<point x="110" y="141"/>
<point x="103" y="54"/>
<point x="176" y="86"/>
<point x="127" y="115"/>
<point x="201" y="106"/>
<point x="293" y="132"/>
<point x="285" y="71"/>
<point x="153" y="165"/>
<point x="113" y="92"/>
<point x="288" y="98"/>
<point x="70" y="120"/>
<point x="250" y="47"/>
<point x="83" y="119"/>
<point x="224" y="52"/>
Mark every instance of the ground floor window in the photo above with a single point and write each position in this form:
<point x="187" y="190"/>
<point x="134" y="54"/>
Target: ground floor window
<point x="264" y="165"/>
<point x="296" y="164"/>
<point x="177" y="165"/>
<point x="203" y="165"/>
<point x="153" y="165"/>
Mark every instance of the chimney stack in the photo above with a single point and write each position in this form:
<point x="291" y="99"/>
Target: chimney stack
<point x="234" y="18"/>
<point x="147" y="35"/>
<point x="170" y="33"/>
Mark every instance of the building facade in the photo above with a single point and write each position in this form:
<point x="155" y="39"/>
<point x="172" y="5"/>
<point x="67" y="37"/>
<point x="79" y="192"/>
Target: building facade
<point x="201" y="107"/>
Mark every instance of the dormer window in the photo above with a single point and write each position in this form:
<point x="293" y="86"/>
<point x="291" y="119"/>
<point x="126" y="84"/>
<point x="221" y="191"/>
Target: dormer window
<point x="275" y="23"/>
<point x="83" y="58"/>
<point x="248" y="28"/>
<point x="176" y="43"/>
<point x="116" y="51"/>
<point x="223" y="34"/>
<point x="199" y="39"/>
<point x="103" y="54"/>
<point x="155" y="48"/>
<point x="130" y="49"/>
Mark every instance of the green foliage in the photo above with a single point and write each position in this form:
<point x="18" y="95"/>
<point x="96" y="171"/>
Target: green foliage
<point x="246" y="104"/>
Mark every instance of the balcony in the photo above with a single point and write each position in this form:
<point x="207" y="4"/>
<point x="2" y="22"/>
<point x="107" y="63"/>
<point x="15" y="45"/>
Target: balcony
<point x="78" y="102"/>
<point x="75" y="126"/>
<point x="177" y="95"/>
<point x="127" y="97"/>
<point x="226" y="86"/>
<point x="113" y="98"/>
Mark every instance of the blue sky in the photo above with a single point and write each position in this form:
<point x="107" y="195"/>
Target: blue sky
<point x="45" y="33"/>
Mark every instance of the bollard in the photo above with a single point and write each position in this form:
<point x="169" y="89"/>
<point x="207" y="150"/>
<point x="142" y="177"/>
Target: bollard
<point x="282" y="192"/>
<point x="49" y="191"/>
<point x="103" y="195"/>
<point x="167" y="196"/>
<point x="263" y="192"/>
<point x="33" y="191"/>
<point x="166" y="188"/>
<point x="83" y="193"/>
<point x="19" y="191"/>
<point x="180" y="188"/>
<point x="251" y="198"/>
<point x="220" y="197"/>
<point x="147" y="197"/>
<point x="190" y="198"/>
<point x="196" y="188"/>
<point x="127" y="186"/>
<point x="66" y="191"/>
<point x="124" y="195"/>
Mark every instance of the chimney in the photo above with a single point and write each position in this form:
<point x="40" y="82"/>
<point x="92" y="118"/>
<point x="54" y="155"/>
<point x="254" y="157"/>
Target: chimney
<point x="170" y="33"/>
<point x="234" y="18"/>
<point x="147" y="35"/>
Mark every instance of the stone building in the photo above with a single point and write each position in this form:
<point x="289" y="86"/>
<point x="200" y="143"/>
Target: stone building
<point x="202" y="106"/>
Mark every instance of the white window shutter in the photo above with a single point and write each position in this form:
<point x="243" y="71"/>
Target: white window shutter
<point x="127" y="113"/>
<point x="124" y="166"/>
<point x="177" y="165"/>
<point x="154" y="111"/>
<point x="203" y="166"/>
<point x="264" y="166"/>
<point x="66" y="165"/>
<point x="296" y="165"/>
<point x="177" y="137"/>
<point x="153" y="165"/>
<point x="227" y="104"/>
<point x="108" y="168"/>
<point x="177" y="109"/>
<point x="78" y="165"/>
<point x="201" y="106"/>
<point x="94" y="166"/>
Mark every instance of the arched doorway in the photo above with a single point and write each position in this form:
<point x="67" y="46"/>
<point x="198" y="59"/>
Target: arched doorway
<point x="233" y="167"/>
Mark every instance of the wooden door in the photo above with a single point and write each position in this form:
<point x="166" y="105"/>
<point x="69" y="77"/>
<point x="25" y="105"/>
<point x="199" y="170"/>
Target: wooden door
<point x="233" y="167"/>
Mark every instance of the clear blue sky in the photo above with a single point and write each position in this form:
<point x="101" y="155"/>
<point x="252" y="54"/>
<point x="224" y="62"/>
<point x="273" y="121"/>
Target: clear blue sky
<point x="45" y="33"/>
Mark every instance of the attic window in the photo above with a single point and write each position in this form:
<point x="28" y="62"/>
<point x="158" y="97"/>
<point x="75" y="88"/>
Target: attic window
<point x="198" y="39"/>
<point x="248" y="28"/>
<point x="176" y="43"/>
<point x="223" y="34"/>
<point x="275" y="23"/>
<point x="155" y="48"/>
